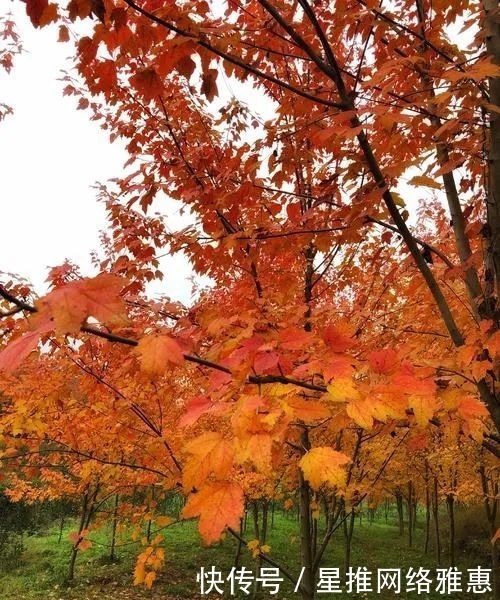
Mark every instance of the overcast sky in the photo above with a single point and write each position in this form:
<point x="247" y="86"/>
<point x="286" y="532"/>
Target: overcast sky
<point x="51" y="155"/>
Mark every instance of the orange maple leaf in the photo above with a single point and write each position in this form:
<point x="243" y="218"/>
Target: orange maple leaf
<point x="157" y="351"/>
<point x="71" y="304"/>
<point x="210" y="453"/>
<point x="307" y="410"/>
<point x="219" y="506"/>
<point x="382" y="361"/>
<point x="338" y="337"/>
<point x="256" y="448"/>
<point x="360" y="413"/>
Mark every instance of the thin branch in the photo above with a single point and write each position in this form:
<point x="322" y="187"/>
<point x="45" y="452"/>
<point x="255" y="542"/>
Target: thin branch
<point x="229" y="57"/>
<point x="424" y="245"/>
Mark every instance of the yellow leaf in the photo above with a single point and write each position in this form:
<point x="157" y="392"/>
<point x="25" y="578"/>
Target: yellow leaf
<point x="398" y="200"/>
<point x="423" y="180"/>
<point x="451" y="398"/>
<point x="360" y="413"/>
<point x="324" y="465"/>
<point x="423" y="408"/>
<point x="256" y="448"/>
<point x="342" y="389"/>
<point x="253" y="546"/>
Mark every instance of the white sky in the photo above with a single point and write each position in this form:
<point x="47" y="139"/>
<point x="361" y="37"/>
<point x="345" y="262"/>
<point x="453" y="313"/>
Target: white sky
<point x="50" y="156"/>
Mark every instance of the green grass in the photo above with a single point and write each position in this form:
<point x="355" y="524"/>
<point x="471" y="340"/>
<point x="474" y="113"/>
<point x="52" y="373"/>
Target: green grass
<point x="40" y="571"/>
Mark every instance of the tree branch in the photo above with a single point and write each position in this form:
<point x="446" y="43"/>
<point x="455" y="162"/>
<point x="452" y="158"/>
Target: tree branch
<point x="229" y="57"/>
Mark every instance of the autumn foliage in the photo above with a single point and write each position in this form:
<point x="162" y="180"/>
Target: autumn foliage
<point x="339" y="161"/>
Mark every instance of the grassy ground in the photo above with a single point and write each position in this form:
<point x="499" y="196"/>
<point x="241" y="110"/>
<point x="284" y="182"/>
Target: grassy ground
<point x="40" y="571"/>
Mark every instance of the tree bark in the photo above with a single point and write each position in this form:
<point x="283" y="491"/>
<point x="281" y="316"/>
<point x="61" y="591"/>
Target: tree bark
<point x="113" y="528"/>
<point x="410" y="514"/>
<point x="88" y="505"/>
<point x="239" y="547"/>
<point x="61" y="528"/>
<point x="427" y="509"/>
<point x="450" y="503"/>
<point x="492" y="37"/>
<point x="306" y="554"/>
<point x="348" y="526"/>
<point x="492" y="505"/>
<point x="81" y="527"/>
<point x="435" y="514"/>
<point x="399" y="506"/>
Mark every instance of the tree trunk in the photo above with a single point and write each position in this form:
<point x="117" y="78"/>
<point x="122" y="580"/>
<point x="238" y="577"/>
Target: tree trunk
<point x="492" y="231"/>
<point x="265" y="521"/>
<point x="81" y="527"/>
<point x="255" y="517"/>
<point x="148" y="531"/>
<point x="113" y="528"/>
<point x="88" y="505"/>
<point x="435" y="514"/>
<point x="399" y="506"/>
<point x="348" y="531"/>
<point x="72" y="562"/>
<point x="410" y="514"/>
<point x="427" y="509"/>
<point x="256" y="533"/>
<point x="61" y="528"/>
<point x="491" y="505"/>
<point x="314" y="533"/>
<point x="492" y="37"/>
<point x="239" y="547"/>
<point x="450" y="502"/>
<point x="306" y="555"/>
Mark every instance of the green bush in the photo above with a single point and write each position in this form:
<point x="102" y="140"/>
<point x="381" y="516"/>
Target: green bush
<point x="18" y="519"/>
<point x="11" y="546"/>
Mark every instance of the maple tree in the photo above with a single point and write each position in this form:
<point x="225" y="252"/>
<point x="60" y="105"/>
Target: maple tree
<point x="342" y="306"/>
